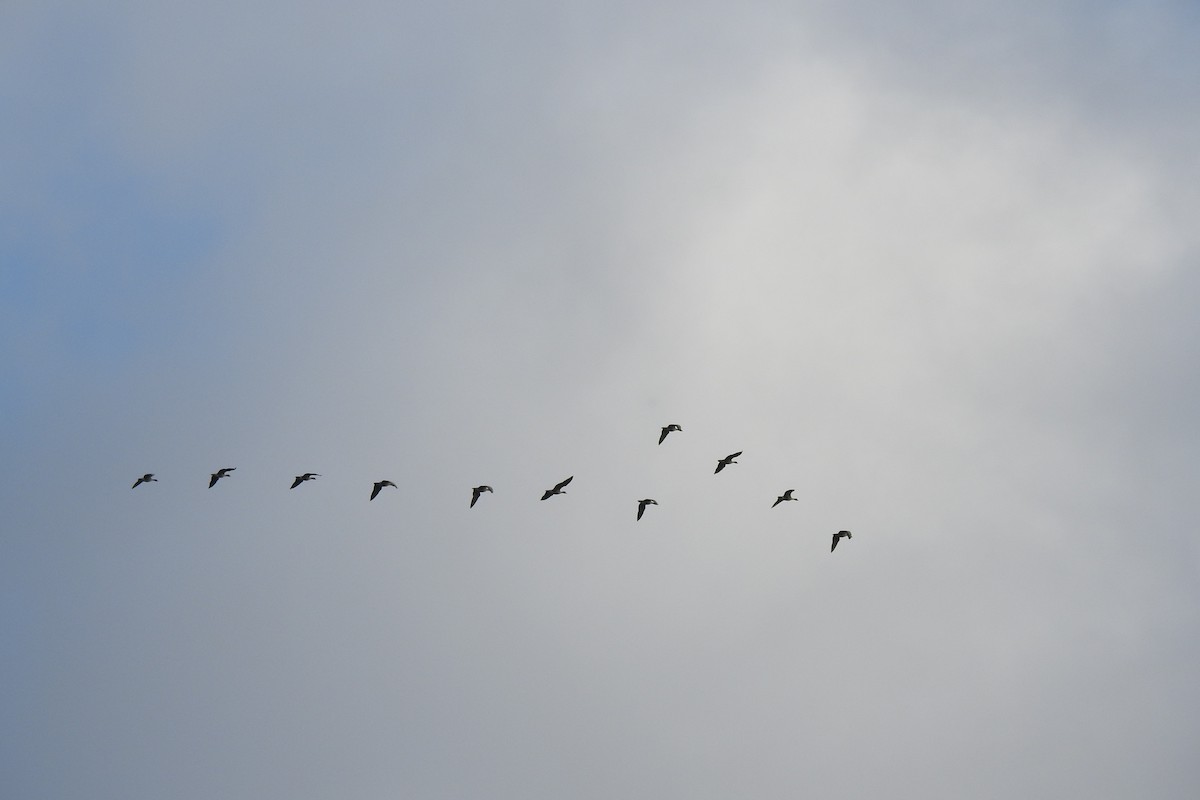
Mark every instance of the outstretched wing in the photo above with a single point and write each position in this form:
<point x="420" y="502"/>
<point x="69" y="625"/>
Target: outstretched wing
<point x="212" y="481"/>
<point x="299" y="480"/>
<point x="641" y="509"/>
<point x="474" y="496"/>
<point x="663" y="435"/>
<point x="564" y="483"/>
<point x="375" y="490"/>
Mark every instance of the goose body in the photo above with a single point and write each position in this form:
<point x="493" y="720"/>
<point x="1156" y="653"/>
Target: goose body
<point x="642" y="506"/>
<point x="558" y="488"/>
<point x="478" y="490"/>
<point x="667" y="429"/>
<point x="726" y="461"/>
<point x="308" y="476"/>
<point x="784" y="497"/>
<point x="221" y="473"/>
<point x="379" y="486"/>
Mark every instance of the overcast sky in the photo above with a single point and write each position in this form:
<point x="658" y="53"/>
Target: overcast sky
<point x="935" y="268"/>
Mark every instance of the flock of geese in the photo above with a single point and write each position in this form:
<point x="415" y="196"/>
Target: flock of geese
<point x="476" y="492"/>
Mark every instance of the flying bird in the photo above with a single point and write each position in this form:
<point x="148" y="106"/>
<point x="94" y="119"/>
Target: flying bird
<point x="667" y="429"/>
<point x="149" y="476"/>
<point x="726" y="461"/>
<point x="478" y="490"/>
<point x="784" y="497"/>
<point x="642" y="506"/>
<point x="558" y="488"/>
<point x="378" y="486"/>
<point x="308" y="476"/>
<point x="221" y="473"/>
<point x="837" y="536"/>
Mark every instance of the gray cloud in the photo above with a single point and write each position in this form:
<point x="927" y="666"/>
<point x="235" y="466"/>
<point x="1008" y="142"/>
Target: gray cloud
<point x="916" y="267"/>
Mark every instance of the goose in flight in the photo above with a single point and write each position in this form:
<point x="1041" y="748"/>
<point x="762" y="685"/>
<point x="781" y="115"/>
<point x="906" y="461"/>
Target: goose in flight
<point x="784" y="497"/>
<point x="149" y="476"/>
<point x="308" y="476"/>
<point x="837" y="536"/>
<point x="726" y="461"/>
<point x="558" y="488"/>
<point x="379" y="485"/>
<point x="478" y="490"/>
<point x="642" y="506"/>
<point x="667" y="429"/>
<point x="221" y="473"/>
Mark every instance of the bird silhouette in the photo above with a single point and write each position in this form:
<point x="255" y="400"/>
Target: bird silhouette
<point x="478" y="490"/>
<point x="308" y="476"/>
<point x="149" y="476"/>
<point x="642" y="506"/>
<point x="667" y="429"/>
<point x="558" y="488"/>
<point x="784" y="497"/>
<point x="221" y="473"/>
<point x="726" y="461"/>
<point x="378" y="486"/>
<point x="837" y="536"/>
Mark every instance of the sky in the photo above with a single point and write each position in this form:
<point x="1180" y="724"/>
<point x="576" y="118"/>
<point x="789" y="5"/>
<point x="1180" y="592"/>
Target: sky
<point x="934" y="268"/>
